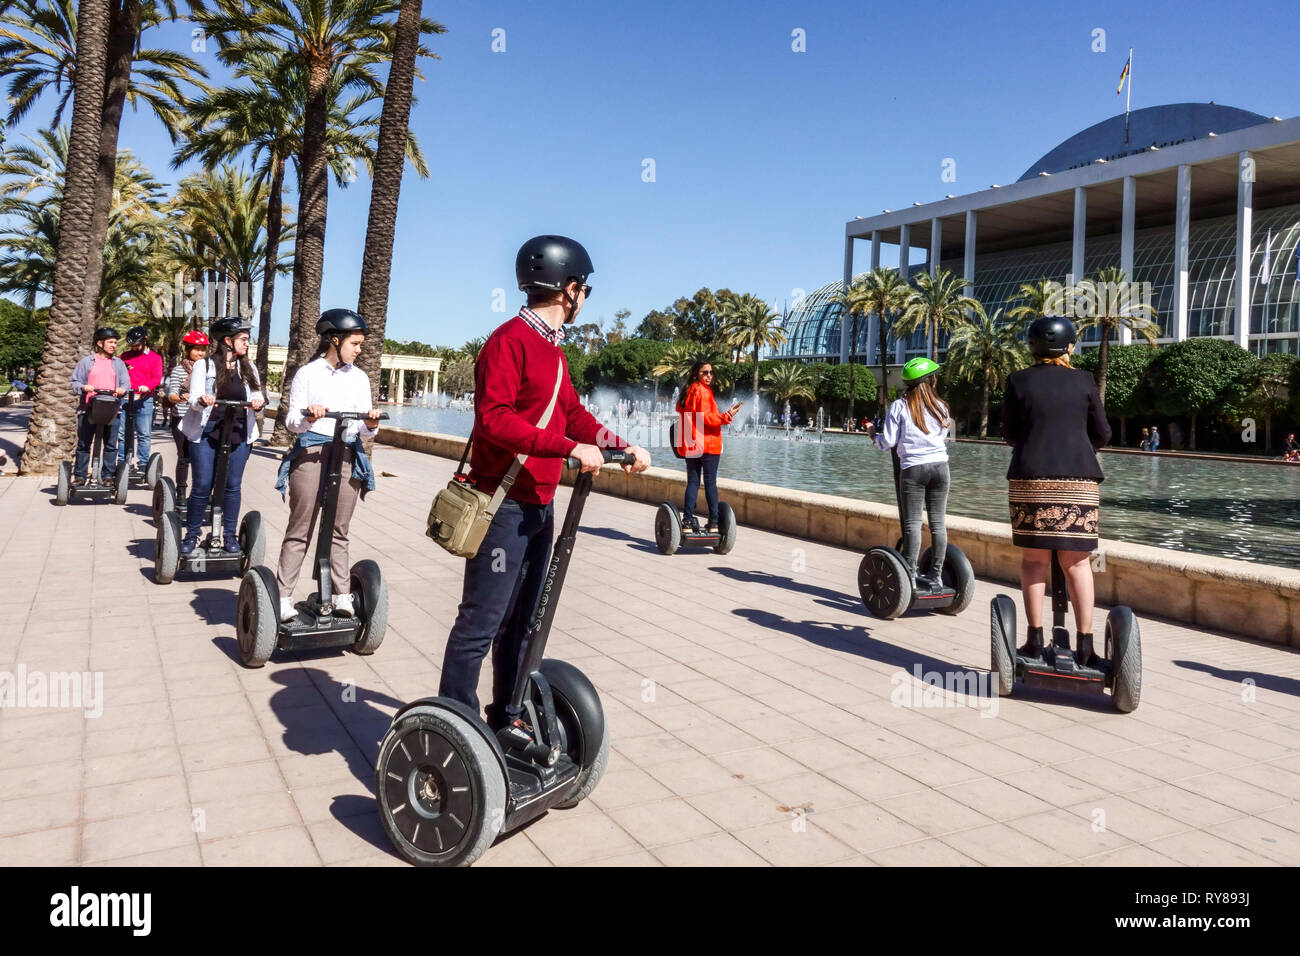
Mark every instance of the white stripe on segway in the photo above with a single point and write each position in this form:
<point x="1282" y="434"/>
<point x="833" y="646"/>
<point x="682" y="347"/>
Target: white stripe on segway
<point x="399" y="809"/>
<point x="402" y="744"/>
<point x="458" y="823"/>
<point x="459" y="789"/>
<point x="416" y="835"/>
<point x="449" y="756"/>
<point x="395" y="776"/>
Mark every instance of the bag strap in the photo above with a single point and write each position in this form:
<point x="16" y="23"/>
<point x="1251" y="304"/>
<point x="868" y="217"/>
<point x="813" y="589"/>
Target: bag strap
<point x="508" y="479"/>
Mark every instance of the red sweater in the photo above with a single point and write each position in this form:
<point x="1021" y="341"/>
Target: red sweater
<point x="513" y="382"/>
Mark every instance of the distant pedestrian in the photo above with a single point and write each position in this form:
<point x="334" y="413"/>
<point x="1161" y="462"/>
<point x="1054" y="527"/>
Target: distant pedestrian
<point x="1145" y="443"/>
<point x="1155" y="439"/>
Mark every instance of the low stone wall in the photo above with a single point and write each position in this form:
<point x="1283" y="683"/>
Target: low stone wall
<point x="1253" y="600"/>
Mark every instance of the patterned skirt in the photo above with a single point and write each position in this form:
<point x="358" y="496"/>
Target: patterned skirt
<point x="1058" y="514"/>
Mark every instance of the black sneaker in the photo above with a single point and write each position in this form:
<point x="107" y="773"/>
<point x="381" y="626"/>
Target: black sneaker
<point x="1033" y="646"/>
<point x="1084" y="653"/>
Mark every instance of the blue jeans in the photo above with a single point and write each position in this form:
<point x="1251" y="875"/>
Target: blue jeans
<point x="108" y="455"/>
<point x="708" y="466"/>
<point x="502" y="584"/>
<point x="143" y="429"/>
<point x="203" y="465"/>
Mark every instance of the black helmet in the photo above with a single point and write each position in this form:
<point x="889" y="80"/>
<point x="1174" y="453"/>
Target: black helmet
<point x="105" y="332"/>
<point x="137" y="334"/>
<point x="548" y="262"/>
<point x="340" y="322"/>
<point x="1051" y="336"/>
<point x="229" y="326"/>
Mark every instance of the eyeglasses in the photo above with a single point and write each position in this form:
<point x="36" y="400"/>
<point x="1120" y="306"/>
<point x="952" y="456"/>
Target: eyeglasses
<point x="710" y="373"/>
<point x="586" y="290"/>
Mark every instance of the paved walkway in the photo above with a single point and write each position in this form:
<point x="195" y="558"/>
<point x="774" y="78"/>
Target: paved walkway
<point x="758" y="715"/>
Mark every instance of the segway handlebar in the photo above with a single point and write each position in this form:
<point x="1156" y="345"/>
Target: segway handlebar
<point x="615" y="456"/>
<point x="232" y="403"/>
<point x="345" y="416"/>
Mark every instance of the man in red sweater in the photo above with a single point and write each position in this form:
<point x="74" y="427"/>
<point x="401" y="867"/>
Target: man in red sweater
<point x="521" y="377"/>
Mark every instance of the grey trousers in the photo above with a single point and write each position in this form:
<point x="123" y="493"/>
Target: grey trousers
<point x="928" y="485"/>
<point x="309" y="470"/>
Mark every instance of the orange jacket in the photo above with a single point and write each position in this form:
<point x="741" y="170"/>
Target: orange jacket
<point x="700" y="431"/>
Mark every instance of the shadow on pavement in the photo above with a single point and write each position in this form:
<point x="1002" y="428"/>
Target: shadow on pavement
<point x="639" y="544"/>
<point x="1283" y="685"/>
<point x="832" y="599"/>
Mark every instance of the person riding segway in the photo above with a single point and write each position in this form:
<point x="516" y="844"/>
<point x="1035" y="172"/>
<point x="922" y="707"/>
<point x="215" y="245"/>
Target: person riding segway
<point x="330" y="412"/>
<point x="894" y="580"/>
<point x="100" y="380"/>
<point x="135" y="421"/>
<point x="1054" y="418"/>
<point x="218" y="450"/>
<point x="169" y="494"/>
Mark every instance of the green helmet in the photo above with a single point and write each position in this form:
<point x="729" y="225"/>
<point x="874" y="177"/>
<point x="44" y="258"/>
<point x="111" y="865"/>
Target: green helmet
<point x="917" y="369"/>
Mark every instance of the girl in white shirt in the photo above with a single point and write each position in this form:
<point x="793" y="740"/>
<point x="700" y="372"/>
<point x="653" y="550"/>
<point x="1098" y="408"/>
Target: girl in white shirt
<point x="330" y="382"/>
<point x="916" y="428"/>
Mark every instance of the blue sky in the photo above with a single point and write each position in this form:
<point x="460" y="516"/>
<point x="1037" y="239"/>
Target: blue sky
<point x="760" y="153"/>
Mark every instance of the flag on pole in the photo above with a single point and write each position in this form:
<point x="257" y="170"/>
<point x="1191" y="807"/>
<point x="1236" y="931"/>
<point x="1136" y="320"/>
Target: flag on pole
<point x="1124" y="73"/>
<point x="1264" y="268"/>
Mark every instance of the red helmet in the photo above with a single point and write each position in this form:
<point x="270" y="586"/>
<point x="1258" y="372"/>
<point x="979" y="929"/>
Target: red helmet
<point x="195" y="337"/>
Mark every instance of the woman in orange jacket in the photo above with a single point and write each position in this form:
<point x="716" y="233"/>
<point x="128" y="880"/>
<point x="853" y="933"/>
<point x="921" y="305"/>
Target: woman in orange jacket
<point x="701" y="439"/>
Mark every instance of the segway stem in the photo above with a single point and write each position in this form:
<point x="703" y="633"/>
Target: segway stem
<point x="1060" y="595"/>
<point x="222" y="465"/>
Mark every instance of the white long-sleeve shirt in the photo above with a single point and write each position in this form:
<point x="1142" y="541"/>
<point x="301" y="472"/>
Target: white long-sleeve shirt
<point x="915" y="447"/>
<point x="342" y="389"/>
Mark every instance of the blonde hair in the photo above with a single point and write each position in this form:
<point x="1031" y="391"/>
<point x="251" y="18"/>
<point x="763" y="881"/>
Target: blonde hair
<point x="1062" y="360"/>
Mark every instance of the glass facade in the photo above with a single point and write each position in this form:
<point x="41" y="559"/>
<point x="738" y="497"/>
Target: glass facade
<point x="1212" y="249"/>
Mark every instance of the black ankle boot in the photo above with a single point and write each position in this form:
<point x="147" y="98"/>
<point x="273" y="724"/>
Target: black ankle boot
<point x="1033" y="646"/>
<point x="1083" y="650"/>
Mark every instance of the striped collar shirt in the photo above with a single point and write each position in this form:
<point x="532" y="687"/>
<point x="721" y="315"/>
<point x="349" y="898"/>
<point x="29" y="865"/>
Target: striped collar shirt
<point x="540" y="326"/>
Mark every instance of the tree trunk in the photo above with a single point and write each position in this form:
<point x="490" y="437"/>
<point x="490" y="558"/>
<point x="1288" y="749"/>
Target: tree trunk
<point x="884" y="369"/>
<point x="853" y="344"/>
<point x="51" y="430"/>
<point x="755" y="373"/>
<point x="1103" y="362"/>
<point x="274" y="226"/>
<point x="984" y="403"/>
<point x="309" y="252"/>
<point x="1191" y="444"/>
<point x="1268" y="433"/>
<point x="1123" y="431"/>
<point x="124" y="29"/>
<point x="386" y="184"/>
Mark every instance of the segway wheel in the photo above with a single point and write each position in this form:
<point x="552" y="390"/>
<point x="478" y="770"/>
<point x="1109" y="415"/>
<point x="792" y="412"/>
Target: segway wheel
<point x="370" y="600"/>
<point x="153" y="470"/>
<point x="164" y="498"/>
<point x="121" y="484"/>
<point x="584" y="731"/>
<point x="63" y="489"/>
<point x="252" y="541"/>
<point x="257" y="622"/>
<point x="668" y="529"/>
<point x="441" y="793"/>
<point x="1124" y="649"/>
<point x="1002" y="636"/>
<point x="884" y="583"/>
<point x="726" y="529"/>
<point x="167" y="553"/>
<point x="957" y="574"/>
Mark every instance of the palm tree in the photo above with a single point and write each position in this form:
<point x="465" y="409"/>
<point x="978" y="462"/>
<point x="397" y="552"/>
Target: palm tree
<point x="853" y="303"/>
<point x="988" y="349"/>
<point x="789" y="380"/>
<point x="884" y="292"/>
<point x="340" y="42"/>
<point x="1110" y="302"/>
<point x="386" y="181"/>
<point x="50" y="430"/>
<point x="471" y="348"/>
<point x="1043" y="297"/>
<point x="753" y="325"/>
<point x="936" y="304"/>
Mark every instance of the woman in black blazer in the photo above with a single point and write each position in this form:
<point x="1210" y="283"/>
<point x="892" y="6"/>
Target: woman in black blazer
<point x="1054" y="418"/>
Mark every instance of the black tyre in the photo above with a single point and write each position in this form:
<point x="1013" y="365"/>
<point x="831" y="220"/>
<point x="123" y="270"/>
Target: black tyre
<point x="164" y="498"/>
<point x="1124" y="649"/>
<point x="370" y="603"/>
<point x="441" y="793"/>
<point x="121" y="484"/>
<point x="884" y="583"/>
<point x="257" y="618"/>
<point x="153" y="471"/>
<point x="726" y="529"/>
<point x="63" y="489"/>
<point x="668" y="529"/>
<point x="956" y="574"/>
<point x="1002" y="637"/>
<point x="584" y="731"/>
<point x="252" y="541"/>
<point x="167" y="553"/>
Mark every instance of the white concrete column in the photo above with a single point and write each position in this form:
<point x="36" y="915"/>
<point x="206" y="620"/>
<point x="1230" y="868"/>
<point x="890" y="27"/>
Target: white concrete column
<point x="846" y="323"/>
<point x="873" y="320"/>
<point x="968" y="270"/>
<point x="1182" y="228"/>
<point x="904" y="259"/>
<point x="936" y="252"/>
<point x="1127" y="222"/>
<point x="1244" y="285"/>
<point x="1080" y="233"/>
<point x="401" y="386"/>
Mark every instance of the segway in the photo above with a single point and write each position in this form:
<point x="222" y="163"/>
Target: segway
<point x="1120" y="671"/>
<point x="673" y="532"/>
<point x="154" y="467"/>
<point x="210" y="555"/>
<point x="886" y="586"/>
<point x="447" y="786"/>
<point x="102" y="412"/>
<point x="170" y="494"/>
<point x="257" y="619"/>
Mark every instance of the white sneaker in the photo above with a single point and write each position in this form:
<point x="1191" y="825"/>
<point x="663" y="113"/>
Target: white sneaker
<point x="287" y="611"/>
<point x="343" y="605"/>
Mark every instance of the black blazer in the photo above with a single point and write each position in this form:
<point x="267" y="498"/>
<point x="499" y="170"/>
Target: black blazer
<point x="1053" y="417"/>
